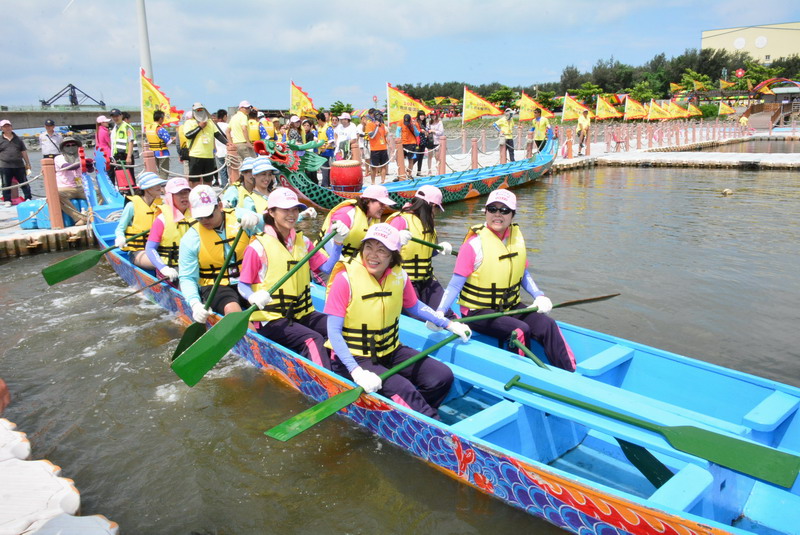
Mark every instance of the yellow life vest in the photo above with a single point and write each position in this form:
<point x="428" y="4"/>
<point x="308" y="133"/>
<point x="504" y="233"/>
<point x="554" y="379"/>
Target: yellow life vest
<point x="253" y="133"/>
<point x="143" y="216"/>
<point x="123" y="133"/>
<point x="171" y="237"/>
<point x="269" y="127"/>
<point x="212" y="251"/>
<point x="182" y="141"/>
<point x="497" y="282"/>
<point x="155" y="142"/>
<point x="202" y="144"/>
<point x="358" y="228"/>
<point x="372" y="318"/>
<point x="416" y="257"/>
<point x="259" y="200"/>
<point x="293" y="299"/>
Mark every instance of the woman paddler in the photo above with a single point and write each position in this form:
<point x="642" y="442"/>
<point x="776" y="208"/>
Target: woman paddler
<point x="233" y="195"/>
<point x="264" y="182"/>
<point x="491" y="267"/>
<point x="202" y="253"/>
<point x="365" y="297"/>
<point x="138" y="216"/>
<point x="358" y="215"/>
<point x="416" y="219"/>
<point x="171" y="223"/>
<point x="287" y="315"/>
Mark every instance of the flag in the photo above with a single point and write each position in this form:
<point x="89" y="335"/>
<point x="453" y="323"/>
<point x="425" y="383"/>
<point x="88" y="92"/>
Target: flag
<point x="725" y="85"/>
<point x="694" y="111"/>
<point x="634" y="109"/>
<point x="400" y="104"/>
<point x="766" y="91"/>
<point x="657" y="112"/>
<point x="675" y="111"/>
<point x="454" y="101"/>
<point x="749" y="85"/>
<point x="301" y="104"/>
<point x="438" y="100"/>
<point x="154" y="99"/>
<point x="475" y="107"/>
<point x="605" y="110"/>
<point x="724" y="109"/>
<point x="698" y="85"/>
<point x="572" y="109"/>
<point x="675" y="87"/>
<point x="527" y="105"/>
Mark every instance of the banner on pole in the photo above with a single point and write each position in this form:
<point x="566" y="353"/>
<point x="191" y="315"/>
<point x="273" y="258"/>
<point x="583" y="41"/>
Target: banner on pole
<point x="154" y="99"/>
<point x="724" y="109"/>
<point x="475" y="107"/>
<point x="605" y="110"/>
<point x="657" y="112"/>
<point x="527" y="106"/>
<point x="301" y="104"/>
<point x="400" y="104"/>
<point x="572" y="109"/>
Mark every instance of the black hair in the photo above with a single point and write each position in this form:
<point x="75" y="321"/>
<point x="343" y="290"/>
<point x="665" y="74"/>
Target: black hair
<point x="126" y="115"/>
<point x="252" y="114"/>
<point x="423" y="210"/>
<point x="321" y="117"/>
<point x="158" y="115"/>
<point x="363" y="203"/>
<point x="221" y="114"/>
<point x="395" y="260"/>
<point x="269" y="220"/>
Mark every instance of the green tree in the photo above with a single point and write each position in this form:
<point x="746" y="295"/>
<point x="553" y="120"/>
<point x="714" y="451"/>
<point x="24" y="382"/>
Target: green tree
<point x="339" y="107"/>
<point x="642" y="91"/>
<point x="546" y="99"/>
<point x="690" y="77"/>
<point x="504" y="97"/>
<point x="587" y="92"/>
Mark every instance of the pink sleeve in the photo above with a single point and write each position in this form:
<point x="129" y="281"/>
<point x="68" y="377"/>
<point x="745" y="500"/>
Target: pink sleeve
<point x="409" y="294"/>
<point x="157" y="230"/>
<point x="319" y="258"/>
<point x="399" y="223"/>
<point x="343" y="215"/>
<point x="338" y="295"/>
<point x="465" y="261"/>
<point x="251" y="266"/>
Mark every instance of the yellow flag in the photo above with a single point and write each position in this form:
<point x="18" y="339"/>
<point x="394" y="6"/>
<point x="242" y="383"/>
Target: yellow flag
<point x="724" y="109"/>
<point x="605" y="110"/>
<point x="634" y="109"/>
<point x="698" y="85"/>
<point x="766" y="91"/>
<point x="475" y="107"/>
<point x="454" y="101"/>
<point x="526" y="107"/>
<point x="301" y="104"/>
<point x="572" y="109"/>
<point x="675" y="87"/>
<point x="657" y="112"/>
<point x="438" y="100"/>
<point x="400" y="104"/>
<point x="675" y="111"/>
<point x="725" y="84"/>
<point x="153" y="99"/>
<point x="694" y="111"/>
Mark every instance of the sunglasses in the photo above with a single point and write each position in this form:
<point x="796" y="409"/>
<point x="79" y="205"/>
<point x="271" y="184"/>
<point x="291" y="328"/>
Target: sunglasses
<point x="494" y="209"/>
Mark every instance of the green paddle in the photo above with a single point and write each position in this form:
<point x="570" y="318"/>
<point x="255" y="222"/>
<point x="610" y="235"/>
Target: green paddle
<point x="310" y="417"/>
<point x="75" y="265"/>
<point x="454" y="252"/>
<point x="654" y="470"/>
<point x="209" y="349"/>
<point x="194" y="331"/>
<point x="761" y="462"/>
<point x="528" y="310"/>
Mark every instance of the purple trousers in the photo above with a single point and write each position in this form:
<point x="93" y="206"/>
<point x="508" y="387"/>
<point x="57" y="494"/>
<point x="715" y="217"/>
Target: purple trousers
<point x="430" y="292"/>
<point x="539" y="327"/>
<point x="423" y="386"/>
<point x="305" y="336"/>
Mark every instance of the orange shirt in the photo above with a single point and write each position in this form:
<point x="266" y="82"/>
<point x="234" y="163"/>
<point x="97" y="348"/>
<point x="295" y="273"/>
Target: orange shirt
<point x="407" y="136"/>
<point x="379" y="141"/>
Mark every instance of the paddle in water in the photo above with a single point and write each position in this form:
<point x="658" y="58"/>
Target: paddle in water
<point x="194" y="331"/>
<point x="761" y="462"/>
<point x="310" y="417"/>
<point x="209" y="349"/>
<point x="77" y="264"/>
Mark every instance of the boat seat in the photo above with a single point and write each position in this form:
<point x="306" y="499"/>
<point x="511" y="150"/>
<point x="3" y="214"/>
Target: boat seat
<point x="771" y="412"/>
<point x="489" y="419"/>
<point x="607" y="359"/>
<point x="685" y="489"/>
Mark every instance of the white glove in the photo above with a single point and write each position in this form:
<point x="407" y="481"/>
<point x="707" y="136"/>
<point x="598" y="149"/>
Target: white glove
<point x="367" y="380"/>
<point x="446" y="247"/>
<point x="460" y="329"/>
<point x="170" y="273"/>
<point x="28" y="172"/>
<point x="544" y="304"/>
<point x="341" y="232"/>
<point x="249" y="221"/>
<point x="261" y="298"/>
<point x="432" y="326"/>
<point x="405" y="237"/>
<point x="199" y="313"/>
<point x="120" y="241"/>
<point x="308" y="213"/>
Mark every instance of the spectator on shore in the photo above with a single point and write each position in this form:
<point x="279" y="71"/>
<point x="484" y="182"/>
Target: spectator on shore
<point x="158" y="138"/>
<point x="102" y="138"/>
<point x="539" y="128"/>
<point x="422" y="142"/>
<point x="14" y="162"/>
<point x="435" y="133"/>
<point x="409" y="136"/>
<point x="325" y="133"/>
<point x="505" y="125"/>
<point x="50" y="140"/>
<point x="122" y="136"/>
<point x="378" y="147"/>
<point x="68" y="170"/>
<point x="293" y="133"/>
<point x="220" y="148"/>
<point x="200" y="132"/>
<point x="237" y="132"/>
<point x="344" y="133"/>
<point x="584" y="123"/>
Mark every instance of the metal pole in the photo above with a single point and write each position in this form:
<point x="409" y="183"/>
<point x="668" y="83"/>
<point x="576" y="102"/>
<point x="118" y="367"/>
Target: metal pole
<point x="144" y="40"/>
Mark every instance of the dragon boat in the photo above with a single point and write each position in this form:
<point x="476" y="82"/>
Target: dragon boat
<point x="455" y="186"/>
<point x="549" y="442"/>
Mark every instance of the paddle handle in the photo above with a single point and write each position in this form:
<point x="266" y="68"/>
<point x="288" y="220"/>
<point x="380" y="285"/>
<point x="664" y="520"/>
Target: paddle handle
<point x="421" y="355"/>
<point x="112" y="247"/>
<point x="526" y="310"/>
<point x="432" y="245"/>
<point x="223" y="269"/>
<point x="522" y="347"/>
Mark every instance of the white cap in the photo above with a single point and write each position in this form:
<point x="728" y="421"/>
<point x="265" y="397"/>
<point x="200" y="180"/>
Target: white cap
<point x="384" y="233"/>
<point x="378" y="193"/>
<point x="247" y="164"/>
<point x="198" y="106"/>
<point x="149" y="179"/>
<point x="4" y="122"/>
<point x="245" y="104"/>
<point x="203" y="200"/>
<point x="261" y="165"/>
<point x="345" y="115"/>
<point x="502" y="196"/>
<point x="284" y="198"/>
<point x="294" y="119"/>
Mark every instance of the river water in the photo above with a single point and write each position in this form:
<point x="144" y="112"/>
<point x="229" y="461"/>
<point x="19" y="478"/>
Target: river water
<point x="700" y="274"/>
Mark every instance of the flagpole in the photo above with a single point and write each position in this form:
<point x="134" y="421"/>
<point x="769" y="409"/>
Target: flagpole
<point x="145" y="60"/>
<point x="463" y="104"/>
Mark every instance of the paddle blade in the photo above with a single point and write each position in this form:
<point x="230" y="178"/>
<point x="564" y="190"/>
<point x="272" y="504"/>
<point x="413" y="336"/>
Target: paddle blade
<point x="71" y="266"/>
<point x="206" y="352"/>
<point x="310" y="417"/>
<point x="762" y="462"/>
<point x="191" y="335"/>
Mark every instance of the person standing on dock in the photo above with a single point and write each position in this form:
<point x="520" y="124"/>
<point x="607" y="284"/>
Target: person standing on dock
<point x="505" y="125"/>
<point x="201" y="131"/>
<point x="102" y="139"/>
<point x="14" y="162"/>
<point x="50" y="140"/>
<point x="491" y="270"/>
<point x="326" y="135"/>
<point x="158" y="138"/>
<point x="378" y="147"/>
<point x="122" y="136"/>
<point x="345" y="133"/>
<point x="237" y="131"/>
<point x="540" y="127"/>
<point x="220" y="148"/>
<point x="584" y="122"/>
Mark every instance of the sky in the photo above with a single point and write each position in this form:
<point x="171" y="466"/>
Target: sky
<point x="219" y="53"/>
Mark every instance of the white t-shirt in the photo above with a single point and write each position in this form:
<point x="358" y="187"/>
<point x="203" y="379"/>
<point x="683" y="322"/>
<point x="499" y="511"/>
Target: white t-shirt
<point x="50" y="143"/>
<point x="221" y="149"/>
<point x="344" y="134"/>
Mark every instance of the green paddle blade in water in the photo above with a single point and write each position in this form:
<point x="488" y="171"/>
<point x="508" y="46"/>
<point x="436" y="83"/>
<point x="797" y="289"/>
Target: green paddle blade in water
<point x="69" y="267"/>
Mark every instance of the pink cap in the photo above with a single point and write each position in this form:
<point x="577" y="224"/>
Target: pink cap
<point x="345" y="115"/>
<point x="284" y="198"/>
<point x="386" y="234"/>
<point x="378" y="193"/>
<point x="294" y="119"/>
<point x="203" y="200"/>
<point x="102" y="119"/>
<point x="177" y="184"/>
<point x="244" y="104"/>
<point x="432" y="194"/>
<point x="4" y="122"/>
<point x="502" y="196"/>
